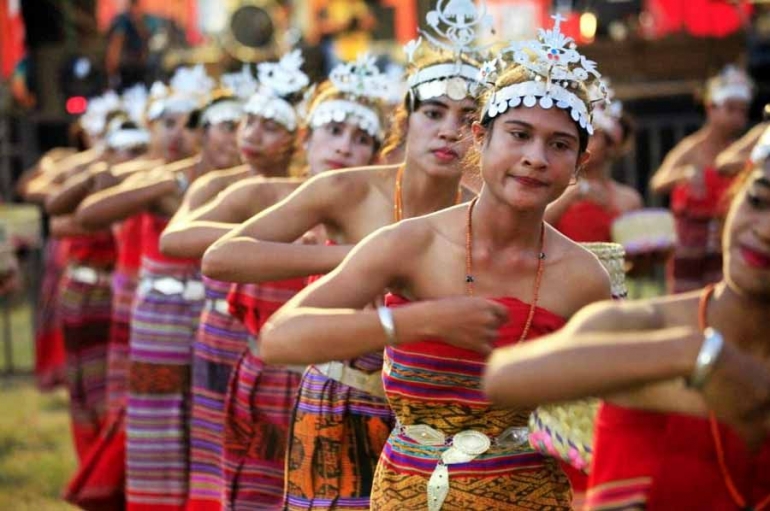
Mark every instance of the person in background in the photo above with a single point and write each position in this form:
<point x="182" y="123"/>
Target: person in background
<point x="688" y="174"/>
<point x="585" y="212"/>
<point x="128" y="49"/>
<point x="344" y="30"/>
<point x="685" y="379"/>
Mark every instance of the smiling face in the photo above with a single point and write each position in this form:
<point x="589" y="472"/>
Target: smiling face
<point x="529" y="155"/>
<point x="263" y="142"/>
<point x="746" y="238"/>
<point x="439" y="135"/>
<point x="338" y="145"/>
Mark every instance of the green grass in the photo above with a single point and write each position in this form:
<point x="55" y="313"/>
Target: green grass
<point x="36" y="452"/>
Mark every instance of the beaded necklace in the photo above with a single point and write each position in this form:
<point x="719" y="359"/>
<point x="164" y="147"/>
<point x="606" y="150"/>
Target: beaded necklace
<point x="398" y="198"/>
<point x="735" y="494"/>
<point x="469" y="279"/>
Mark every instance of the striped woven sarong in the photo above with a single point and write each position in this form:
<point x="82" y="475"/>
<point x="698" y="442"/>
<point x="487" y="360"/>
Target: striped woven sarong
<point x="123" y="291"/>
<point x="163" y="327"/>
<point x="221" y="339"/>
<point x="49" y="341"/>
<point x="336" y="438"/>
<point x="259" y="402"/>
<point x="84" y="310"/>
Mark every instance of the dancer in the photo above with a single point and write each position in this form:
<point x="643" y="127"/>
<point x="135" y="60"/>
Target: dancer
<point x="341" y="415"/>
<point x="697" y="188"/>
<point x="685" y="378"/>
<point x="450" y="448"/>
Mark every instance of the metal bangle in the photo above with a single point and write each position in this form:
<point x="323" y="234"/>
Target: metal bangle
<point x="713" y="342"/>
<point x="388" y="325"/>
<point x="181" y="181"/>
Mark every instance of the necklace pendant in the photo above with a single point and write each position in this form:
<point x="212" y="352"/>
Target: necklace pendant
<point x="469" y="279"/>
<point x="541" y="255"/>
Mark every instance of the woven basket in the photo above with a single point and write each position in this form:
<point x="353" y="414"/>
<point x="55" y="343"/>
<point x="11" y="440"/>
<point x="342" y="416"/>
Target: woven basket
<point x="565" y="431"/>
<point x="22" y="224"/>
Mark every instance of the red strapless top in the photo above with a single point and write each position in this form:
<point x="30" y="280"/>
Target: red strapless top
<point x="688" y="202"/>
<point x="96" y="249"/>
<point x="253" y="304"/>
<point x="668" y="461"/>
<point x="127" y="237"/>
<point x="152" y="227"/>
<point x="586" y="221"/>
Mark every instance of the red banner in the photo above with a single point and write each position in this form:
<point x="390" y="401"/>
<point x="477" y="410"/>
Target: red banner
<point x="11" y="36"/>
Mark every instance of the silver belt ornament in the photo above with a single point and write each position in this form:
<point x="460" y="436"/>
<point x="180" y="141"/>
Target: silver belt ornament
<point x="463" y="447"/>
<point x="218" y="304"/>
<point x="371" y="383"/>
<point x="190" y="290"/>
<point x="87" y="275"/>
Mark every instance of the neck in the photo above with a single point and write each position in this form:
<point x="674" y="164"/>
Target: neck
<point x="717" y="136"/>
<point x="740" y="317"/>
<point x="276" y="168"/>
<point x="503" y="226"/>
<point x="200" y="167"/>
<point x="423" y="193"/>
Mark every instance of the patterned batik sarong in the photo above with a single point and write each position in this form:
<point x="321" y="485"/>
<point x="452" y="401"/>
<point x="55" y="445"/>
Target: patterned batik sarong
<point x="435" y="385"/>
<point x="337" y="435"/>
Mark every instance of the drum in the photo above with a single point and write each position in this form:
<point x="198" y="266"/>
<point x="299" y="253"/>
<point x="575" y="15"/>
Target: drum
<point x="565" y="431"/>
<point x="645" y="230"/>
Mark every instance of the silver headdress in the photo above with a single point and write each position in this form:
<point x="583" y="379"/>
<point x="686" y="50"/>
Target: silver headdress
<point x="278" y="80"/>
<point x="356" y="80"/>
<point x="94" y="120"/>
<point x="456" y="24"/>
<point x="241" y="86"/>
<point x="554" y="66"/>
<point x="761" y="150"/>
<point x="730" y="83"/>
<point x="119" y="136"/>
<point x="606" y="116"/>
<point x="190" y="87"/>
<point x="135" y="102"/>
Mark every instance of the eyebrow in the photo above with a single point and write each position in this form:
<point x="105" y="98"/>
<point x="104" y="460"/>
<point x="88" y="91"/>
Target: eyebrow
<point x="762" y="181"/>
<point x="434" y="102"/>
<point x="530" y="126"/>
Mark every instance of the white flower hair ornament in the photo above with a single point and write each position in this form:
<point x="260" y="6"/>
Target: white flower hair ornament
<point x="278" y="82"/>
<point x="190" y="88"/>
<point x="123" y="133"/>
<point x="135" y="102"/>
<point x="242" y="84"/>
<point x="730" y="83"/>
<point x="456" y="25"/>
<point x="94" y="120"/>
<point x="607" y="115"/>
<point x="240" y="87"/>
<point x="355" y="80"/>
<point x="158" y="93"/>
<point x="761" y="150"/>
<point x="554" y="66"/>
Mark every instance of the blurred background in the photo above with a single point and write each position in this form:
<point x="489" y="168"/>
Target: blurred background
<point x="57" y="54"/>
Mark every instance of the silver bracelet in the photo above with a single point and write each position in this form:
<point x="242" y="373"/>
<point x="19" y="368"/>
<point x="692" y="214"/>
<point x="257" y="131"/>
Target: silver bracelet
<point x="388" y="325"/>
<point x="182" y="182"/>
<point x="713" y="342"/>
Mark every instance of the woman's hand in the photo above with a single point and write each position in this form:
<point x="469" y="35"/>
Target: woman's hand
<point x="466" y="322"/>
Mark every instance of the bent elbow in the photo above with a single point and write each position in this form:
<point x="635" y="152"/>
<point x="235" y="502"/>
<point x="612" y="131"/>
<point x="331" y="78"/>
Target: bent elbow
<point x="269" y="350"/>
<point x="170" y="244"/>
<point x="213" y="264"/>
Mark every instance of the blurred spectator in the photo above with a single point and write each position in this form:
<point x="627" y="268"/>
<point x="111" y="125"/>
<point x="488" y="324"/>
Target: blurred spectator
<point x="128" y="45"/>
<point x="22" y="84"/>
<point x="344" y="30"/>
